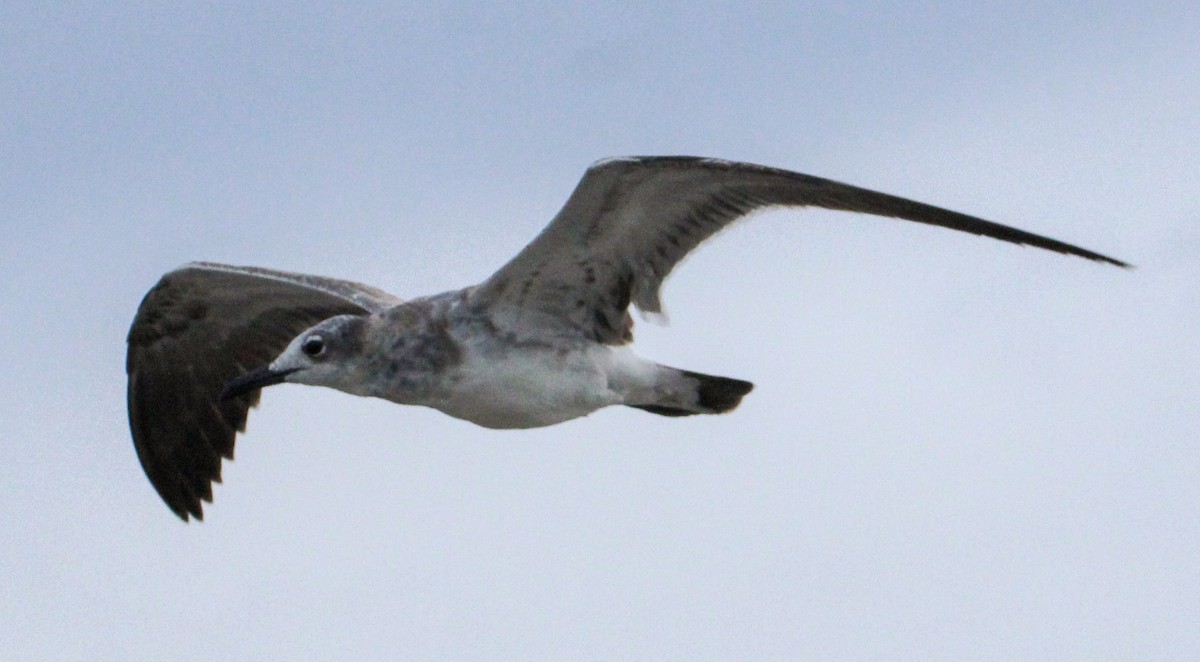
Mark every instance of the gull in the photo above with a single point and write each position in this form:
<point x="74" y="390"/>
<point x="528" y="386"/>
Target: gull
<point x="543" y="340"/>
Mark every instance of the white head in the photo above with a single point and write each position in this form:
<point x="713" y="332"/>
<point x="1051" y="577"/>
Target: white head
<point x="327" y="354"/>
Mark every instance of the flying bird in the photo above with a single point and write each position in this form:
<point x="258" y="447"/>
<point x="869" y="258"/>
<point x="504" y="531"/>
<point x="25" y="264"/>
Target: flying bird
<point x="543" y="340"/>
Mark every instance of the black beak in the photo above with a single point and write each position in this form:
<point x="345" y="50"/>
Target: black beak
<point x="253" y="380"/>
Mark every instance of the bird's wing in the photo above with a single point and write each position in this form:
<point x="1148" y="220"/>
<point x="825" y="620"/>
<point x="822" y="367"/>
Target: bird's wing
<point x="199" y="327"/>
<point x="631" y="220"/>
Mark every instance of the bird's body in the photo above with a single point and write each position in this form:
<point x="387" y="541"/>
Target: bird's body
<point x="543" y="340"/>
<point x="444" y="353"/>
<point x="527" y="386"/>
<point x="438" y="352"/>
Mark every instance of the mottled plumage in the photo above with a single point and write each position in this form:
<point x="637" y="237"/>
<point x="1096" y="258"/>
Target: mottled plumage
<point x="541" y="341"/>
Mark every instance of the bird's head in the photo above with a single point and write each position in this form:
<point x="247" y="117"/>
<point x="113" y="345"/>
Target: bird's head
<point x="327" y="354"/>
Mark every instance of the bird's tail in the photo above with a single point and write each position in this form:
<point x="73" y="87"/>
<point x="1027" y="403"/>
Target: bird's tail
<point x="695" y="393"/>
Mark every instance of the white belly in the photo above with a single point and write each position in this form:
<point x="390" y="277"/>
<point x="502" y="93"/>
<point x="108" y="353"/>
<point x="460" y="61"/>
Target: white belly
<point x="528" y="388"/>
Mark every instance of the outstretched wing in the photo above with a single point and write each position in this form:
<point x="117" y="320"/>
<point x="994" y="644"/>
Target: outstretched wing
<point x="199" y="327"/>
<point x="631" y="220"/>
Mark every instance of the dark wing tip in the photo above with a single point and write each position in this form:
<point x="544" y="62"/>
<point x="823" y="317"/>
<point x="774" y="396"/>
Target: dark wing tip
<point x="1114" y="261"/>
<point x="194" y="511"/>
<point x="1038" y="241"/>
<point x="836" y="195"/>
<point x="185" y="509"/>
<point x="181" y="439"/>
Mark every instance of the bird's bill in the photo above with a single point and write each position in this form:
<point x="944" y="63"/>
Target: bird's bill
<point x="253" y="380"/>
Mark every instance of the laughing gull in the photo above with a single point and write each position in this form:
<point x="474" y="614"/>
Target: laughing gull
<point x="543" y="340"/>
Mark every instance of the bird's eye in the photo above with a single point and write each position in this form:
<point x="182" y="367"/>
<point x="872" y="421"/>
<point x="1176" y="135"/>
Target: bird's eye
<point x="313" y="346"/>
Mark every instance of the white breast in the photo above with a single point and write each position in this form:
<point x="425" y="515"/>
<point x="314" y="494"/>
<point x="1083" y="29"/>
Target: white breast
<point x="528" y="387"/>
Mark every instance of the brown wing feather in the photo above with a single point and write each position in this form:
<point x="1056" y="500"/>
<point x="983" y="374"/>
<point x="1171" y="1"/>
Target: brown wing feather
<point x="199" y="327"/>
<point x="630" y="221"/>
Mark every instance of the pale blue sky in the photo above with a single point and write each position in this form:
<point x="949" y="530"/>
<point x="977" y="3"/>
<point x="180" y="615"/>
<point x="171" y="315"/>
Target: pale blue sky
<point x="957" y="449"/>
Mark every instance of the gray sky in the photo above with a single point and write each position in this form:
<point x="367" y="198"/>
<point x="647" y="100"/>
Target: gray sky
<point x="957" y="449"/>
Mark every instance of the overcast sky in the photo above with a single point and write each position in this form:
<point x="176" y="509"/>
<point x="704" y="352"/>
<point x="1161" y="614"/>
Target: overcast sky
<point x="957" y="448"/>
